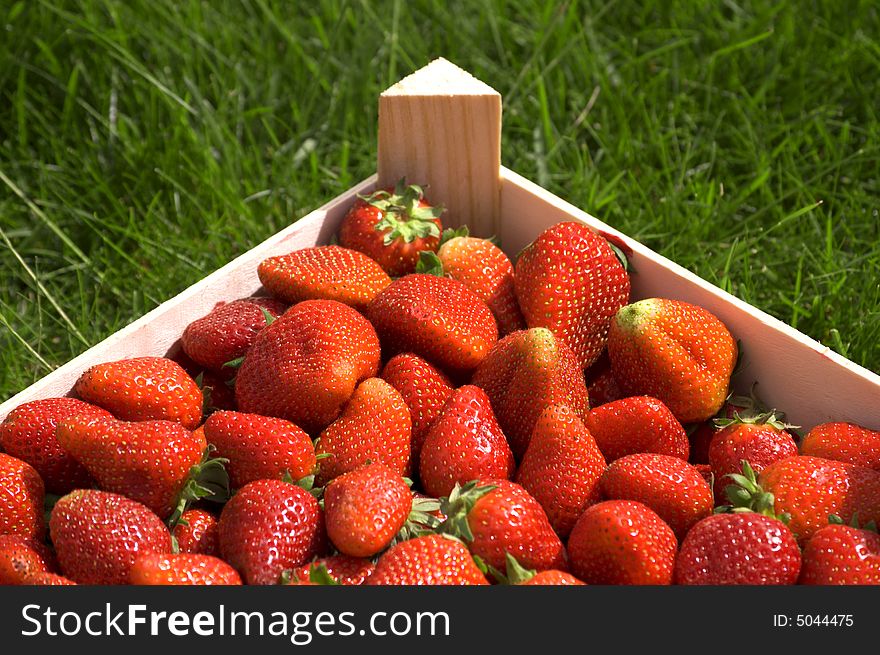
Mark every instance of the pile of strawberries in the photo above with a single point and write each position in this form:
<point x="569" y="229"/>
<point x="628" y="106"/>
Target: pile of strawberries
<point x="409" y="407"/>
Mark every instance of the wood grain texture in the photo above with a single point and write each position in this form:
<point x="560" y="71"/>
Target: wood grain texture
<point x="441" y="127"/>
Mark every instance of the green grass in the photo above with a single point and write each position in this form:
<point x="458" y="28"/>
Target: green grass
<point x="144" y="144"/>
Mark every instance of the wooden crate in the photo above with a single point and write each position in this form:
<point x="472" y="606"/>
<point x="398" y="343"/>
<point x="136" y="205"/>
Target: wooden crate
<point x="441" y="126"/>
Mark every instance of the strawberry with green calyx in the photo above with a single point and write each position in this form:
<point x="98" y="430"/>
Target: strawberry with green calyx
<point x="333" y="570"/>
<point x="638" y="424"/>
<point x="21" y="499"/>
<point x="181" y="569"/>
<point x="701" y="434"/>
<point x="196" y="532"/>
<point x="516" y="574"/>
<point x="842" y="555"/>
<point x="844" y="442"/>
<point x="392" y="226"/>
<point x="429" y="560"/>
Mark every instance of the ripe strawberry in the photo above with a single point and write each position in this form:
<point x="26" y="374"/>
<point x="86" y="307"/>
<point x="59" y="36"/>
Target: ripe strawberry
<point x="143" y="389"/>
<point x="570" y="281"/>
<point x="601" y="385"/>
<point x="323" y="273"/>
<point x="738" y="549"/>
<point x="217" y="390"/>
<point x="392" y="226"/>
<point x="181" y="569"/>
<point x="197" y="532"/>
<point x="760" y="440"/>
<point x="365" y="508"/>
<point x="344" y="570"/>
<point x="305" y="366"/>
<point x="435" y="317"/>
<point x="98" y="535"/>
<point x="228" y="330"/>
<point x="496" y="517"/>
<point x="49" y="579"/>
<point x="844" y="442"/>
<point x="523" y="374"/>
<point x="622" y="542"/>
<point x="701" y="434"/>
<point x="517" y="574"/>
<point x="552" y="578"/>
<point x="28" y="433"/>
<point x="428" y="560"/>
<point x="22" y="558"/>
<point x="841" y="555"/>
<point x="423" y="388"/>
<point x="484" y="269"/>
<point x="674" y="351"/>
<point x="270" y="526"/>
<point x="561" y="467"/>
<point x="464" y="443"/>
<point x="21" y="499"/>
<point x="149" y="461"/>
<point x="671" y="487"/>
<point x="259" y="447"/>
<point x="374" y="427"/>
<point x="639" y="424"/>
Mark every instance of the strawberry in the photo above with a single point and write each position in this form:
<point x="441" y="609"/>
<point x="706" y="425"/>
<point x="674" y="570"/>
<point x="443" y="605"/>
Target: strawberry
<point x="392" y="226"/>
<point x="517" y="574"/>
<point x="700" y="439"/>
<point x="639" y="424"/>
<point x="465" y="442"/>
<point x="365" y="508"/>
<point x="570" y="281"/>
<point x="700" y="435"/>
<point x="197" y="532"/>
<point x="98" y="535"/>
<point x="484" y="269"/>
<point x="738" y="549"/>
<point x="671" y="487"/>
<point x="323" y="273"/>
<point x="22" y="558"/>
<point x="706" y="471"/>
<point x="561" y="467"/>
<point x="423" y="388"/>
<point x="841" y="555"/>
<point x="28" y="433"/>
<point x="228" y="330"/>
<point x="552" y="578"/>
<point x="844" y="442"/>
<point x="217" y="390"/>
<point x="270" y="526"/>
<point x="674" y="351"/>
<point x="495" y="517"/>
<point x="49" y="579"/>
<point x="143" y="389"/>
<point x="374" y="427"/>
<point x="342" y="569"/>
<point x="523" y="374"/>
<point x="181" y="569"/>
<point x="429" y="560"/>
<point x="760" y="440"/>
<point x="435" y="317"/>
<point x="601" y="385"/>
<point x="622" y="542"/>
<point x="259" y="447"/>
<point x="149" y="461"/>
<point x="305" y="366"/>
<point x="21" y="500"/>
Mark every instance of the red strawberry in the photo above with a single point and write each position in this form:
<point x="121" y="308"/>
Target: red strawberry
<point x="22" y="558"/>
<point x="259" y="447"/>
<point x="429" y="560"/>
<point x="700" y="440"/>
<point x="49" y="579"/>
<point x="601" y="385"/>
<point x="841" y="555"/>
<point x="674" y="351"/>
<point x="738" y="549"/>
<point x="217" y="390"/>
<point x="149" y="461"/>
<point x="21" y="499"/>
<point x="392" y="226"/>
<point x="424" y="390"/>
<point x="270" y="526"/>
<point x="305" y="366"/>
<point x="364" y="509"/>
<point x="701" y="434"/>
<point x="552" y="578"/>
<point x="28" y="433"/>
<point x="523" y="374"/>
<point x="622" y="542"/>
<point x="517" y="574"/>
<point x="668" y="485"/>
<point x="374" y="427"/>
<point x="760" y="441"/>
<point x="143" y="389"/>
<point x="181" y="569"/>
<point x="639" y="424"/>
<point x="496" y="518"/>
<point x="197" y="532"/>
<point x="228" y="330"/>
<point x="344" y="570"/>
<point x="98" y="535"/>
<point x="561" y="467"/>
<point x="464" y="443"/>
<point x="324" y="273"/>
<point x="845" y="442"/>
<point x="706" y="471"/>
<point x="435" y="317"/>
<point x="570" y="281"/>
